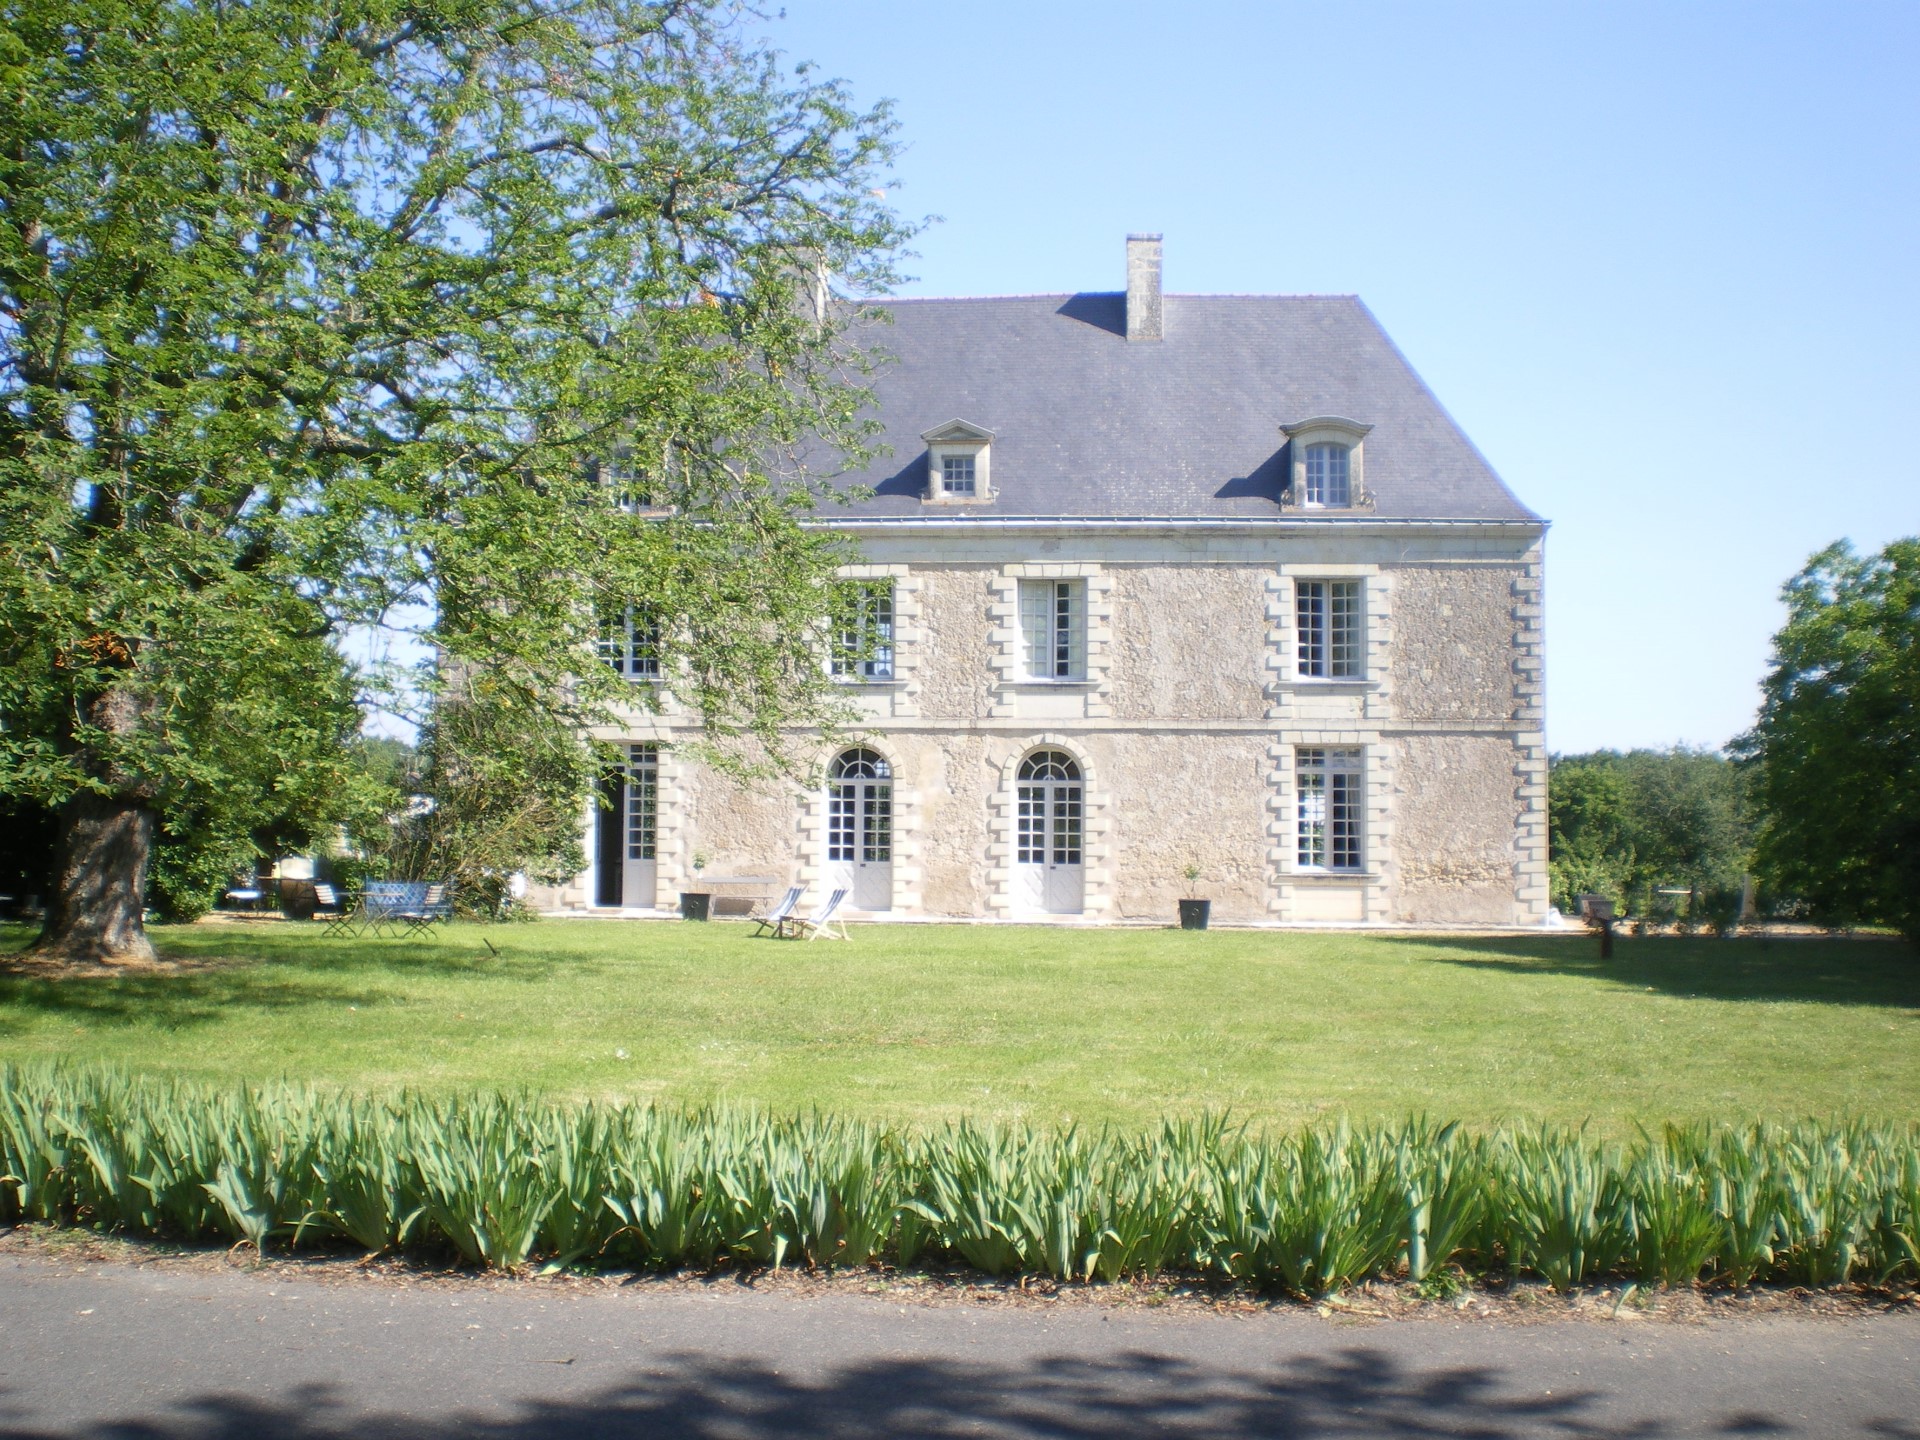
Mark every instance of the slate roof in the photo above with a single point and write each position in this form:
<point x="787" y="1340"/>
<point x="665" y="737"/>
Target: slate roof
<point x="1089" y="424"/>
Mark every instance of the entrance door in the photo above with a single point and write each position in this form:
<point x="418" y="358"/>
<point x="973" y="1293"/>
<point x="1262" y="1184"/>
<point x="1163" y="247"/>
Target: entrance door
<point x="628" y="817"/>
<point x="860" y="829"/>
<point x="1048" y="874"/>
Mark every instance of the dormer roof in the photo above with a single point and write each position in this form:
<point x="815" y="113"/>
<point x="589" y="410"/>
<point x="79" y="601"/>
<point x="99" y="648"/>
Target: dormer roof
<point x="957" y="432"/>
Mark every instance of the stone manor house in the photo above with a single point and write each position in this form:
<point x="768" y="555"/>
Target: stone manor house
<point x="1148" y="582"/>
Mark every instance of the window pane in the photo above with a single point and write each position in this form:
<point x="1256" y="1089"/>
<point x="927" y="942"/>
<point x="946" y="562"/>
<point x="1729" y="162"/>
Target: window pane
<point x="1310" y="626"/>
<point x="1327" y="476"/>
<point x="956" y="474"/>
<point x="643" y="800"/>
<point x="1343" y="629"/>
<point x="1310" y="787"/>
<point x="1030" y="840"/>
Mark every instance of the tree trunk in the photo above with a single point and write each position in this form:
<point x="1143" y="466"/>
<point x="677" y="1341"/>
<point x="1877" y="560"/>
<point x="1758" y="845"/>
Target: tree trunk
<point x="99" y="882"/>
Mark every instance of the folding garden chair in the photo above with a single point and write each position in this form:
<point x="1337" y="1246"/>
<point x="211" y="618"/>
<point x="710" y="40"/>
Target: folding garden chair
<point x="823" y="920"/>
<point x="780" y="916"/>
<point x="434" y="907"/>
<point x="331" y="913"/>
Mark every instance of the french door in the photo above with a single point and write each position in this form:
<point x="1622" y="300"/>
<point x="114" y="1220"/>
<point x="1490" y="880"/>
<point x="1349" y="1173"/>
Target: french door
<point x="629" y="818"/>
<point x="1049" y="874"/>
<point x="860" y="829"/>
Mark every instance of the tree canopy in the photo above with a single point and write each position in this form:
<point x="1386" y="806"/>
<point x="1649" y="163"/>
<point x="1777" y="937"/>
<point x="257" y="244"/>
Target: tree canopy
<point x="1836" y="749"/>
<point x="314" y="309"/>
<point x="1625" y="824"/>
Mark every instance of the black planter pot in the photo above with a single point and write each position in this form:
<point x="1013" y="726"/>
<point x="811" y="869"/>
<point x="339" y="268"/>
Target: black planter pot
<point x="1193" y="914"/>
<point x="693" y="905"/>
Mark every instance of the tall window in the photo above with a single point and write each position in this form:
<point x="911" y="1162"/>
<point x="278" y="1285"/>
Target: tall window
<point x="1053" y="625"/>
<point x="1048" y="822"/>
<point x="1328" y="783"/>
<point x="860" y="808"/>
<point x="643" y="800"/>
<point x="1326" y="622"/>
<point x="956" y="475"/>
<point x="863" y="630"/>
<point x="1327" y="482"/>
<point x="630" y="643"/>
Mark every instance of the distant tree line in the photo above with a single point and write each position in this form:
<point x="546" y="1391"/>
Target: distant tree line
<point x="1819" y="803"/>
<point x="1638" y="826"/>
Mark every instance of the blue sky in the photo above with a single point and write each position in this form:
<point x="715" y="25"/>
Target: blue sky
<point x="1658" y="260"/>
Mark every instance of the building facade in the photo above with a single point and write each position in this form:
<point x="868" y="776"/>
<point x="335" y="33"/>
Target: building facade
<point x="1152" y="586"/>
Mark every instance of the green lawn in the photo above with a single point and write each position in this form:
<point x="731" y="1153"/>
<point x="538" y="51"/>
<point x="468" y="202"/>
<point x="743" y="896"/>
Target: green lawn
<point x="924" y="1022"/>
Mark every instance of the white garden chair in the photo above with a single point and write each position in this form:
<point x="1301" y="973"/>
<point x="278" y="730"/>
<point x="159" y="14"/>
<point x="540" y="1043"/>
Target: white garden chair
<point x="823" y="920"/>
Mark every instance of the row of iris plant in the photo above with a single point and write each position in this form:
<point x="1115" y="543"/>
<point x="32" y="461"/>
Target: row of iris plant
<point x="510" y="1182"/>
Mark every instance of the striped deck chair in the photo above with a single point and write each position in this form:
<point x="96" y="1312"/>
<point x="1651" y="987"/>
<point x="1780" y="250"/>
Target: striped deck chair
<point x="780" y="916"/>
<point x="822" y="921"/>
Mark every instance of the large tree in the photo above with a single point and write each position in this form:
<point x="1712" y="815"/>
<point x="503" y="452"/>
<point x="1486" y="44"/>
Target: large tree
<point x="1836" y="748"/>
<point x="313" y="310"/>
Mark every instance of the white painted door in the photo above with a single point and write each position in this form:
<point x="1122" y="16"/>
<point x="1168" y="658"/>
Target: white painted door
<point x="1049" y="874"/>
<point x="638" y="880"/>
<point x="860" y="829"/>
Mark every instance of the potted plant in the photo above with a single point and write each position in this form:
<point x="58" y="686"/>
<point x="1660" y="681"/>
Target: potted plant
<point x="1193" y="913"/>
<point x="694" y="904"/>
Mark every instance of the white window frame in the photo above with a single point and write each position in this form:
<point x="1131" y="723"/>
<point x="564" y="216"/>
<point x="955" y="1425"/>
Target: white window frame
<point x="642" y="820"/>
<point x="1053" y="630"/>
<point x="1329" y="477"/>
<point x="633" y="645"/>
<point x="959" y="475"/>
<point x="864" y="628"/>
<point x="1330" y="810"/>
<point x="1329" y="628"/>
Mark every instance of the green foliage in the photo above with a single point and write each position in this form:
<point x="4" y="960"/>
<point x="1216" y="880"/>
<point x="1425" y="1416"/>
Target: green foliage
<point x="319" y="314"/>
<point x="506" y="781"/>
<point x="509" y="1183"/>
<point x="1624" y="825"/>
<point x="1835" y="753"/>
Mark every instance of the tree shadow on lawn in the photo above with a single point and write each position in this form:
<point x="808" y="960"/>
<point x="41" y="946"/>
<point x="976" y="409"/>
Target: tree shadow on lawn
<point x="273" y="967"/>
<point x="1820" y="971"/>
<point x="1359" y="1391"/>
<point x="169" y="1001"/>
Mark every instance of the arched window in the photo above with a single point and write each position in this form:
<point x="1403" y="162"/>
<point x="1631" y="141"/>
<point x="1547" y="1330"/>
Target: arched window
<point x="1049" y="765"/>
<point x="860" y="827"/>
<point x="859" y="763"/>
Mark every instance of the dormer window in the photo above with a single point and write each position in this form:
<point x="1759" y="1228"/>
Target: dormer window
<point x="959" y="464"/>
<point x="1326" y="471"/>
<point x="1328" y="482"/>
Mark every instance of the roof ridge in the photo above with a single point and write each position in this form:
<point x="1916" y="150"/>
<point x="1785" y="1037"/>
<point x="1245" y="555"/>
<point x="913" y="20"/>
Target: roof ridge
<point x="1070" y="294"/>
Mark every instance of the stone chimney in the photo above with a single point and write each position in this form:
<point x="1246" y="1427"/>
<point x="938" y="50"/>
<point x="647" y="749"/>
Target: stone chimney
<point x="1143" y="287"/>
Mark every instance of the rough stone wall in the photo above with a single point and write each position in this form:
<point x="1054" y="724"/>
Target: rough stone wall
<point x="742" y="826"/>
<point x="1189" y="642"/>
<point x="1453" y="650"/>
<point x="1455" y="806"/>
<point x="1183" y="797"/>
<point x="955" y="774"/>
<point x="956" y="682"/>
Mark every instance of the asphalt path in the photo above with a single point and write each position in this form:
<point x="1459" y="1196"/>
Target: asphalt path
<point x="153" y="1352"/>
